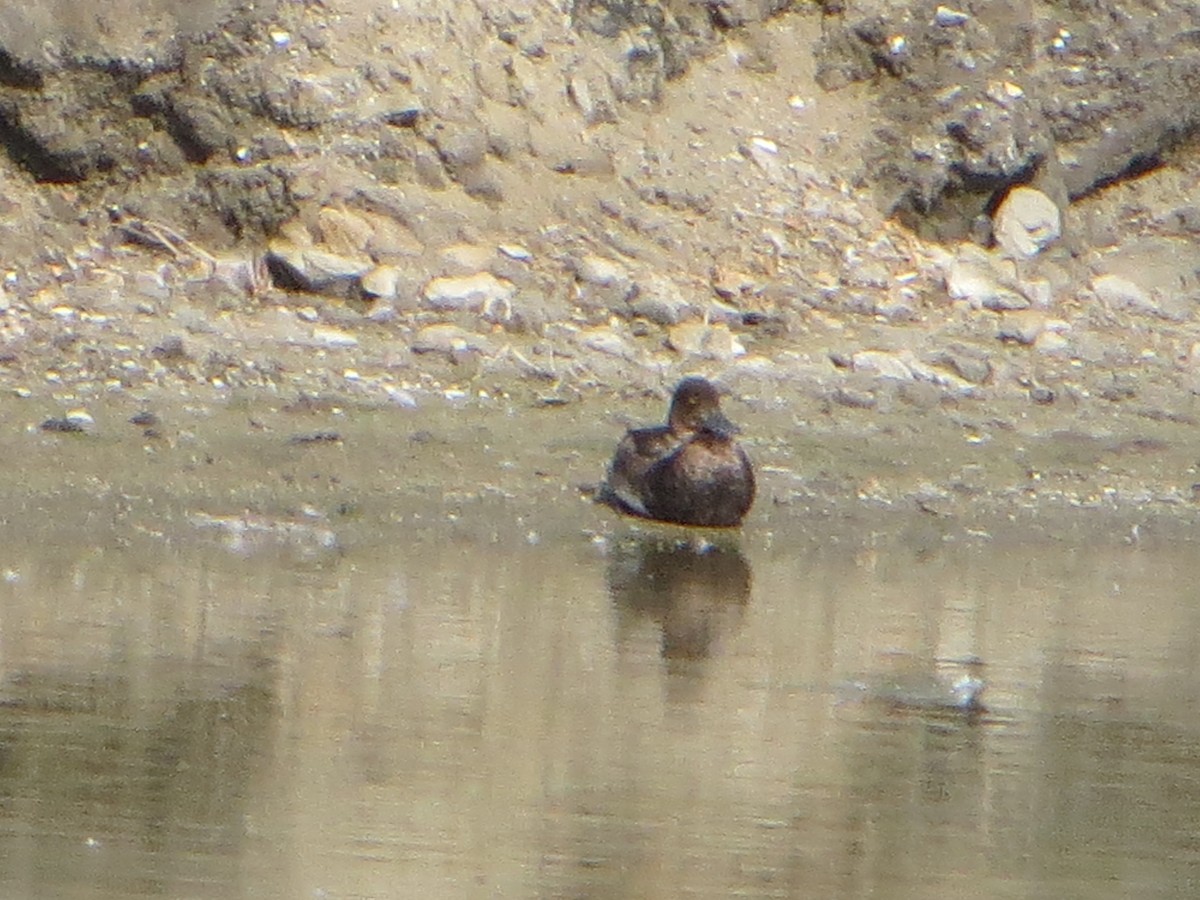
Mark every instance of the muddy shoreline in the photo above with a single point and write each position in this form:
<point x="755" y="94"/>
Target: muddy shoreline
<point x="417" y="282"/>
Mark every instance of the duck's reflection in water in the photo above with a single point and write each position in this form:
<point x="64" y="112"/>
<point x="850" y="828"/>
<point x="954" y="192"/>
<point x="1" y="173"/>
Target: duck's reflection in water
<point x="695" y="590"/>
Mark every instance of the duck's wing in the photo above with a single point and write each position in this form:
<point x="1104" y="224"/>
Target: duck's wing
<point x="626" y="486"/>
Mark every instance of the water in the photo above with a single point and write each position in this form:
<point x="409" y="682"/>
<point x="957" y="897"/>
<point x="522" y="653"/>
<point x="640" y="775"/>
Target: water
<point x="463" y="705"/>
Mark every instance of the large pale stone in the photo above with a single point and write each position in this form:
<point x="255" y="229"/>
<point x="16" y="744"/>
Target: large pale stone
<point x="1026" y="223"/>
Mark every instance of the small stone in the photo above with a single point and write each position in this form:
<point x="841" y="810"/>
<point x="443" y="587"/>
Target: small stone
<point x="382" y="283"/>
<point x="1122" y="293"/>
<point x="447" y="338"/>
<point x="715" y="342"/>
<point x="660" y="300"/>
<point x="468" y="292"/>
<point x="854" y="399"/>
<point x="764" y="154"/>
<point x="1041" y="395"/>
<point x="605" y="340"/>
<point x="171" y="348"/>
<point x="77" y="421"/>
<point x="974" y="282"/>
<point x="1052" y="343"/>
<point x="882" y="363"/>
<point x="315" y="437"/>
<point x="1026" y="223"/>
<point x="402" y="398"/>
<point x="597" y="270"/>
<point x="515" y="251"/>
<point x="898" y="305"/>
<point x="1039" y="292"/>
<point x="333" y="337"/>
<point x="343" y="231"/>
<point x="1021" y="327"/>
<point x="465" y="259"/>
<point x="949" y="18"/>
<point x="298" y="268"/>
<point x="968" y="364"/>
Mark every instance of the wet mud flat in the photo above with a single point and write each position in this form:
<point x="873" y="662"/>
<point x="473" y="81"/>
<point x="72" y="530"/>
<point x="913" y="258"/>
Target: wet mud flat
<point x="317" y="468"/>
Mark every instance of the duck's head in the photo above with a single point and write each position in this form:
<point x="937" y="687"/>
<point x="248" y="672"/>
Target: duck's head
<point x="696" y="406"/>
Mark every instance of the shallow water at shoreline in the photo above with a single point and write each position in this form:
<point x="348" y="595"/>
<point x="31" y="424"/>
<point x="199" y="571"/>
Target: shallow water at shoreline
<point x="469" y="706"/>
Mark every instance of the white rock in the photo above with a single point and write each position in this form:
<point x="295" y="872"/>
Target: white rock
<point x="706" y="341"/>
<point x="316" y="270"/>
<point x="597" y="270"/>
<point x="1024" y="327"/>
<point x="660" y="300"/>
<point x="974" y="282"/>
<point x="515" y="251"/>
<point x="882" y="363"/>
<point x="764" y="153"/>
<point x="473" y="292"/>
<point x="382" y="282"/>
<point x="1026" y="223"/>
<point x="1121" y="292"/>
<point x="948" y="18"/>
<point x="1052" y="343"/>
<point x="333" y="337"/>
<point x="465" y="259"/>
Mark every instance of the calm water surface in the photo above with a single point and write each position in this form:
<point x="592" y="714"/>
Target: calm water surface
<point x="444" y="710"/>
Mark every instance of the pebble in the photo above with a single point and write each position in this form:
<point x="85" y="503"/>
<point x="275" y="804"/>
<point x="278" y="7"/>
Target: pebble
<point x="1021" y="327"/>
<point x="605" y="340"/>
<point x="382" y="282"/>
<point x="698" y="339"/>
<point x="883" y="363"/>
<point x="660" y="300"/>
<point x="968" y="364"/>
<point x="1052" y="343"/>
<point x="333" y="337"/>
<point x="466" y="259"/>
<point x="402" y="398"/>
<point x="948" y="18"/>
<point x="316" y="271"/>
<point x="77" y="421"/>
<point x="1026" y="223"/>
<point x="468" y="292"/>
<point x="974" y="282"/>
<point x="447" y="338"/>
<point x="597" y="270"/>
<point x="342" y="231"/>
<point x="515" y="251"/>
<point x="1122" y="293"/>
<point x="853" y="398"/>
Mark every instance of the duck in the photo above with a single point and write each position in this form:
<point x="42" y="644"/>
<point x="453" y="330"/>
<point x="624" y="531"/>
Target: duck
<point x="689" y="471"/>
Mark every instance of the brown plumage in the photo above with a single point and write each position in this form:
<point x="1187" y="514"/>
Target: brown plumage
<point x="690" y="471"/>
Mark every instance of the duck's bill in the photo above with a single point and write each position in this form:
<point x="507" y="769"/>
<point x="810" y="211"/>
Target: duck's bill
<point x="718" y="423"/>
